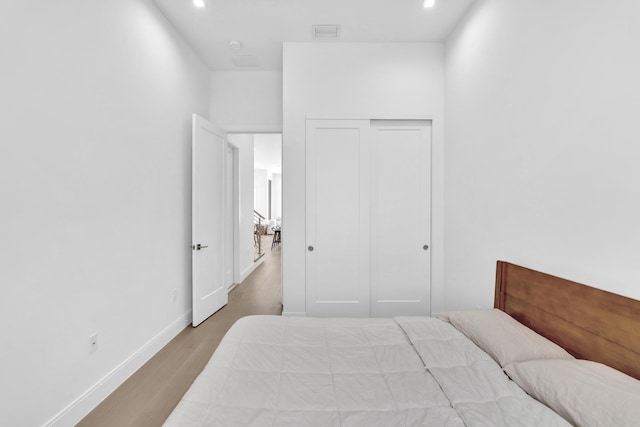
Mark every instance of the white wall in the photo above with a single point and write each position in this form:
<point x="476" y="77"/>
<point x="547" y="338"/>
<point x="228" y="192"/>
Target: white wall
<point x="346" y="80"/>
<point x="542" y="146"/>
<point x="276" y="196"/>
<point x="261" y="192"/>
<point x="95" y="207"/>
<point x="268" y="151"/>
<point x="244" y="144"/>
<point x="247" y="100"/>
<point x="268" y="156"/>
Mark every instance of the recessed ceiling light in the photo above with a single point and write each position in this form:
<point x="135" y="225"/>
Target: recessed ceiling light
<point x="428" y="4"/>
<point x="199" y="3"/>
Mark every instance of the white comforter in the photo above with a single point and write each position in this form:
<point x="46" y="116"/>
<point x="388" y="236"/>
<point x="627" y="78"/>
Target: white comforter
<point x="407" y="371"/>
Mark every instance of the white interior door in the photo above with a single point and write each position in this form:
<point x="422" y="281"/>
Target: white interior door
<point x="400" y="217"/>
<point x="337" y="218"/>
<point x="208" y="162"/>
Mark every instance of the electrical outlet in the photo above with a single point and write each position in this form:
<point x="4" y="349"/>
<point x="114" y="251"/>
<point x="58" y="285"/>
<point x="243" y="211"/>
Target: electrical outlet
<point x="174" y="295"/>
<point x="93" y="343"/>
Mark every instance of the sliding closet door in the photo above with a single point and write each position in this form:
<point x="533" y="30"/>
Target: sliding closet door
<point x="400" y="217"/>
<point x="337" y="218"/>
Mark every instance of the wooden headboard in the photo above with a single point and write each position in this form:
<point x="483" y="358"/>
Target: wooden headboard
<point x="589" y="323"/>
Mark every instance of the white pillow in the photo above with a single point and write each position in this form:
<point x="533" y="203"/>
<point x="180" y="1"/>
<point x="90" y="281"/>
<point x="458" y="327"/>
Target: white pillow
<point x="503" y="337"/>
<point x="585" y="393"/>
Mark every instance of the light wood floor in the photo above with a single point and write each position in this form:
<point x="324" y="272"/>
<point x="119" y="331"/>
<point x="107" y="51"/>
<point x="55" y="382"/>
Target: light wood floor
<point x="147" y="398"/>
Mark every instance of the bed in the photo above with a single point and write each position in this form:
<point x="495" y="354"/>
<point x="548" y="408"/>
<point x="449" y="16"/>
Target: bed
<point x="511" y="366"/>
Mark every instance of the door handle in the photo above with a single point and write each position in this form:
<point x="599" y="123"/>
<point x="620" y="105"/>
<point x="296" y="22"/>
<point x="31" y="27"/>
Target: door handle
<point x="198" y="247"/>
<point x="310" y="248"/>
<point x="425" y="247"/>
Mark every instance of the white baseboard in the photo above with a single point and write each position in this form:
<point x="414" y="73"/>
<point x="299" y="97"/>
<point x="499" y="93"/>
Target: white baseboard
<point x="86" y="402"/>
<point x="294" y="313"/>
<point x="250" y="269"/>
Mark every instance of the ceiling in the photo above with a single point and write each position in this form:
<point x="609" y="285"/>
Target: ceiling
<point x="261" y="26"/>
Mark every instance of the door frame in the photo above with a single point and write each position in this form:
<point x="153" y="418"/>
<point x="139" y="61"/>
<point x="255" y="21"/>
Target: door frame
<point x="236" y="221"/>
<point x="235" y="210"/>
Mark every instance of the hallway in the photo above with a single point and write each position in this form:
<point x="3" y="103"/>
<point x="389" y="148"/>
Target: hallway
<point x="147" y="398"/>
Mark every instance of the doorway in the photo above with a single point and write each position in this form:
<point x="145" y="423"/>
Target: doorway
<point x="258" y="160"/>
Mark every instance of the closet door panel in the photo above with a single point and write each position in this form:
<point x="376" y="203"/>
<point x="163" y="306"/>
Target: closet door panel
<point x="337" y="219"/>
<point x="400" y="220"/>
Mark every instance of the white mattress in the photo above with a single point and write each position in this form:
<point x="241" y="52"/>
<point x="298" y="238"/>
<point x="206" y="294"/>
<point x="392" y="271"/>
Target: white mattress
<point x="409" y="371"/>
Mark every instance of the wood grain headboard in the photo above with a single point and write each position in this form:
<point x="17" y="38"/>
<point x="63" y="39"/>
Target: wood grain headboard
<point x="589" y="323"/>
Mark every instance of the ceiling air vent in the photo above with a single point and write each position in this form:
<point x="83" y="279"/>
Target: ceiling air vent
<point x="326" y="32"/>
